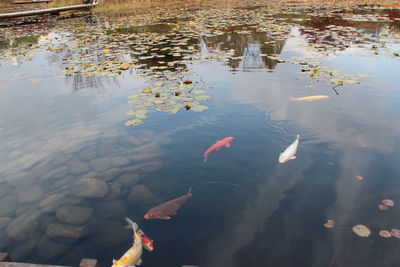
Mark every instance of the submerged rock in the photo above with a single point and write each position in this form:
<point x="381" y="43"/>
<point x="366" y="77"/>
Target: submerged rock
<point x="129" y="179"/>
<point x="87" y="154"/>
<point x="67" y="233"/>
<point x="23" y="249"/>
<point x="109" y="175"/>
<point x="111" y="234"/>
<point x="51" y="203"/>
<point x="146" y="167"/>
<point x="8" y="204"/>
<point x="49" y="249"/>
<point x="120" y="161"/>
<point x="115" y="209"/>
<point x="130" y="140"/>
<point x="29" y="194"/>
<point x="145" y="152"/>
<point x="23" y="226"/>
<point x="89" y="188"/>
<point x="20" y="178"/>
<point x="74" y="214"/>
<point x="79" y="168"/>
<point x="56" y="174"/>
<point x="100" y="164"/>
<point x="4" y="222"/>
<point x="114" y="190"/>
<point x="141" y="195"/>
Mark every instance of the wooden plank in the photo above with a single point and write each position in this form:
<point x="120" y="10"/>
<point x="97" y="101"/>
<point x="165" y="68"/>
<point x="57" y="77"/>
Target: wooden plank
<point x="4" y="257"/>
<point x="32" y="2"/>
<point x="18" y="264"/>
<point x="45" y="11"/>
<point x="89" y="263"/>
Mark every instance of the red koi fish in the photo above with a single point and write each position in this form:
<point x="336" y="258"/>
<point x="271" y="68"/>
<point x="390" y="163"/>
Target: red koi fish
<point x="146" y="241"/>
<point x="218" y="145"/>
<point x="167" y="209"/>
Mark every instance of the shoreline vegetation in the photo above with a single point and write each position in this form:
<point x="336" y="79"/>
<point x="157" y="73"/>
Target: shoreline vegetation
<point x="128" y="6"/>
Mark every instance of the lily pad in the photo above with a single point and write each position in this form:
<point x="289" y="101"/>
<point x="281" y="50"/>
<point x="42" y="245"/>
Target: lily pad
<point x="199" y="108"/>
<point x="361" y="230"/>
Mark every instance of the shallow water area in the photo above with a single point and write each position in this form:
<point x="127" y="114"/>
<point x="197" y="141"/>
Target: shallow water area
<point x="103" y="117"/>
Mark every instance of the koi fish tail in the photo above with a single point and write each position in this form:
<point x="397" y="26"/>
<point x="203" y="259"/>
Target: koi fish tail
<point x="298" y="136"/>
<point x="292" y="99"/>
<point x="205" y="157"/>
<point x="190" y="191"/>
<point x="133" y="225"/>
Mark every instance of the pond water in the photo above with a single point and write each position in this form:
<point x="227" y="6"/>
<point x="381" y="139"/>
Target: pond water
<point x="104" y="117"/>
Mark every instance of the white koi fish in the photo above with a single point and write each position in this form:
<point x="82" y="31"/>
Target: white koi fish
<point x="309" y="98"/>
<point x="290" y="151"/>
<point x="132" y="256"/>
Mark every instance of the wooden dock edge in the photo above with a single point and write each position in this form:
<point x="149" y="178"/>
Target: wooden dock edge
<point x="45" y="11"/>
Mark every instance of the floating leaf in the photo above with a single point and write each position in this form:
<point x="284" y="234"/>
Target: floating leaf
<point x="197" y="92"/>
<point x="133" y="122"/>
<point x="202" y="97"/>
<point x="388" y="202"/>
<point x="385" y="234"/>
<point x="174" y="110"/>
<point x="382" y="207"/>
<point x="395" y="232"/>
<point x="361" y="230"/>
<point x="329" y="224"/>
<point x="199" y="108"/>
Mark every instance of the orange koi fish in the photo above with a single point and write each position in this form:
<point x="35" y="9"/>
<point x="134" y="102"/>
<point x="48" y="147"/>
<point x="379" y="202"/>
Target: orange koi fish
<point x="146" y="241"/>
<point x="218" y="145"/>
<point x="167" y="209"/>
<point x="132" y="256"/>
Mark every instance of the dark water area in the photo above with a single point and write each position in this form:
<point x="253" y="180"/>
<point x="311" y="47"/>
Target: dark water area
<point x="103" y="118"/>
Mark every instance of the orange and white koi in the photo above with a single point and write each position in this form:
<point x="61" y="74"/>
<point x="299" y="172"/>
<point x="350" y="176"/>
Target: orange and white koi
<point x="146" y="241"/>
<point x="132" y="256"/>
<point x="220" y="143"/>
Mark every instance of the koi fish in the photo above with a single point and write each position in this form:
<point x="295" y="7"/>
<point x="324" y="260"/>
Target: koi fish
<point x="132" y="256"/>
<point x="167" y="209"/>
<point x="309" y="98"/>
<point x="146" y="241"/>
<point x="290" y="151"/>
<point x="218" y="145"/>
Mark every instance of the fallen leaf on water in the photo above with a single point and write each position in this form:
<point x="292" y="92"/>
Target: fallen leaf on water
<point x="359" y="177"/>
<point x="388" y="202"/>
<point x="385" y="234"/>
<point x="199" y="108"/>
<point x="395" y="232"/>
<point x="187" y="107"/>
<point x="361" y="230"/>
<point x="329" y="224"/>
<point x="382" y="207"/>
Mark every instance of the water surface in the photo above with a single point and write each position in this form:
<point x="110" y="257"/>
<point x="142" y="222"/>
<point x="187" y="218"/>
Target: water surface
<point x="102" y="118"/>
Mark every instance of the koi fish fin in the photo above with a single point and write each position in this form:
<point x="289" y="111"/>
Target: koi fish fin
<point x="114" y="261"/>
<point x="133" y="225"/>
<point x="139" y="261"/>
<point x="218" y="148"/>
<point x="293" y="157"/>
<point x="228" y="145"/>
<point x="205" y="159"/>
<point x="189" y="193"/>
